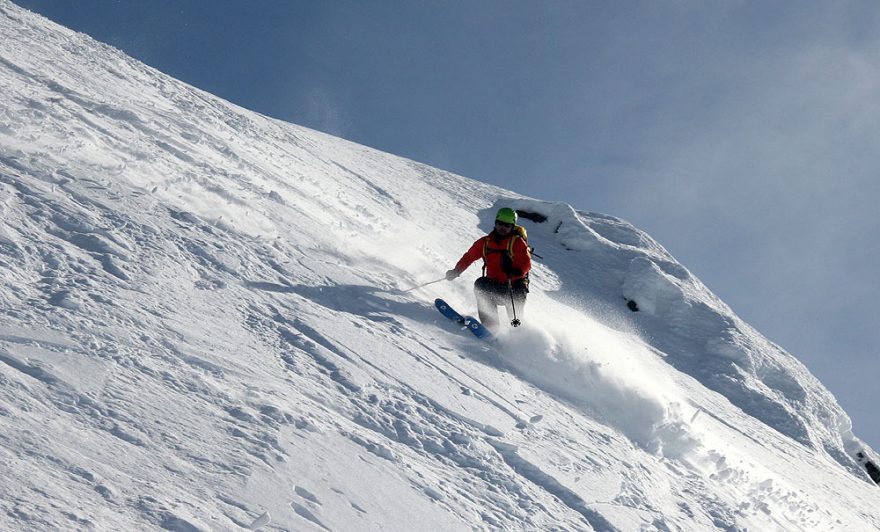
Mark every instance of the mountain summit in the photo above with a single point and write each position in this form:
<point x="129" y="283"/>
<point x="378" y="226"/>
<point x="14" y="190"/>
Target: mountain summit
<point x="208" y="323"/>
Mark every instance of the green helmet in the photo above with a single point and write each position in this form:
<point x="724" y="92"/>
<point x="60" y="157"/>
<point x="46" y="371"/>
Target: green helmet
<point x="506" y="215"/>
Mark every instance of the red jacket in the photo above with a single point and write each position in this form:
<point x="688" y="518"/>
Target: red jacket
<point x="496" y="252"/>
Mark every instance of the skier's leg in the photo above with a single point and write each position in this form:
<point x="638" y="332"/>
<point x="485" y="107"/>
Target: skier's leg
<point x="487" y="307"/>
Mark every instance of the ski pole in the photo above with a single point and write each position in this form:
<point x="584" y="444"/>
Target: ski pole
<point x="515" y="321"/>
<point x="425" y="284"/>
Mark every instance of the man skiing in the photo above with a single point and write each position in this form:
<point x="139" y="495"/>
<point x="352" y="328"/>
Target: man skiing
<point x="506" y="264"/>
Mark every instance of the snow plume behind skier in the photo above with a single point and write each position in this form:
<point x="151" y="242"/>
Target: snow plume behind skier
<point x="506" y="265"/>
<point x="573" y="356"/>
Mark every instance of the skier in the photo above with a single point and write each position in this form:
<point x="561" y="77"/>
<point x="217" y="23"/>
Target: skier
<point x="506" y="264"/>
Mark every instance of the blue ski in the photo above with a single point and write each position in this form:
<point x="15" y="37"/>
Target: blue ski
<point x="472" y="324"/>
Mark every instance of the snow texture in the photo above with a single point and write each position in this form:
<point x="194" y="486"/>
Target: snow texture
<point x="207" y="325"/>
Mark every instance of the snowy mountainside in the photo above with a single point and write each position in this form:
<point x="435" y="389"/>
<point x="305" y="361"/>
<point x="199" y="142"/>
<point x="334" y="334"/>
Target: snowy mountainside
<point x="207" y="326"/>
<point x="695" y="331"/>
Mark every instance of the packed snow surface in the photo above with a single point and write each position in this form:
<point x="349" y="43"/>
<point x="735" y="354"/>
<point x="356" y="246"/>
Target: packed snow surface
<point x="209" y="323"/>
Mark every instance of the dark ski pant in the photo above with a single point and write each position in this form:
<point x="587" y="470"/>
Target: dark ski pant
<point x="491" y="294"/>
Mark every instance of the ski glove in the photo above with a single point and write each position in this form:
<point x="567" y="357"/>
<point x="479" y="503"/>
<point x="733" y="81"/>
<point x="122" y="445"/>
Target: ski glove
<point x="452" y="274"/>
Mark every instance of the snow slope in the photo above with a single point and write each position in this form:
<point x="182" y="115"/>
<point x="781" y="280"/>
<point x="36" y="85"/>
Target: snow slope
<point x="207" y="325"/>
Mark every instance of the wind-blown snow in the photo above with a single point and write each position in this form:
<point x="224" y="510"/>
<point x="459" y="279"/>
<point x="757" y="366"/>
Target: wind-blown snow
<point x="207" y="325"/>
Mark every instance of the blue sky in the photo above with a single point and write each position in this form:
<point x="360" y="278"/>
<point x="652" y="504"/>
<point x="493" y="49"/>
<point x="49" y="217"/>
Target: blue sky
<point x="742" y="135"/>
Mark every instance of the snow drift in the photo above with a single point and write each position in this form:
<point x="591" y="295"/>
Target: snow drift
<point x="207" y="326"/>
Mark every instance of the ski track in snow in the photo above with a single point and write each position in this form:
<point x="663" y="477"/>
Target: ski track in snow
<point x="205" y="328"/>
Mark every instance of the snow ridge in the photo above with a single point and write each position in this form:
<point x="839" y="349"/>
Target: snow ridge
<point x="207" y="326"/>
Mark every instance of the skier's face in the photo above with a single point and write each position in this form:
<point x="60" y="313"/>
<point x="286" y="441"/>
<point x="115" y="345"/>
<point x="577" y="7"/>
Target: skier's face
<point x="502" y="228"/>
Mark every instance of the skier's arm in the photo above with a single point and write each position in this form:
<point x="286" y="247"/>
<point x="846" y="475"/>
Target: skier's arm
<point x="470" y="256"/>
<point x="522" y="261"/>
